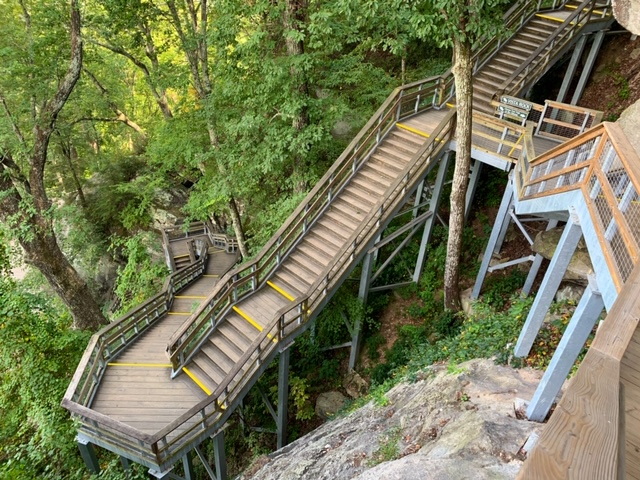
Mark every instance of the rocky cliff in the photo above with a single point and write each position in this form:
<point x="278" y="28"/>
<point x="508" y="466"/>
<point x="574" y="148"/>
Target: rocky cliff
<point x="456" y="423"/>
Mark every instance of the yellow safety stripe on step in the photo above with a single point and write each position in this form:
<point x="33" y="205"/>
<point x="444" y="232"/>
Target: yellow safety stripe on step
<point x="280" y="291"/>
<point x="190" y="296"/>
<point x="575" y="7"/>
<point x="211" y="276"/>
<point x="450" y="105"/>
<point x="252" y="322"/>
<point x="195" y="379"/>
<point x="555" y="19"/>
<point x="158" y="365"/>
<point x="179" y="313"/>
<point x="413" y="130"/>
<point x="181" y="256"/>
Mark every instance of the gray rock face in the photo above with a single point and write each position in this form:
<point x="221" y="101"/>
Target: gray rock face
<point x="580" y="266"/>
<point x="447" y="426"/>
<point x="627" y="12"/>
<point x="329" y="403"/>
<point x="570" y="292"/>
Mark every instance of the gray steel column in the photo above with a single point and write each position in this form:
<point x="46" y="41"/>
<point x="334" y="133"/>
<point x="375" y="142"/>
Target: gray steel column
<point x="557" y="268"/>
<point x="220" y="458"/>
<point x="586" y="71"/>
<point x="283" y="396"/>
<point x="187" y="463"/>
<point x="574" y="338"/>
<point x="471" y="188"/>
<point x="433" y="207"/>
<point x="363" y="293"/>
<point x="502" y="219"/>
<point x="88" y="454"/>
<point x="571" y="69"/>
<point x="126" y="464"/>
<point x="535" y="265"/>
<point x="418" y="200"/>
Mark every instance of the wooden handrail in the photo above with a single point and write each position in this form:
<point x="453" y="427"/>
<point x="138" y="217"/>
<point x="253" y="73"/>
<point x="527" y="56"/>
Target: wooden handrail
<point x="573" y="21"/>
<point x="328" y="279"/>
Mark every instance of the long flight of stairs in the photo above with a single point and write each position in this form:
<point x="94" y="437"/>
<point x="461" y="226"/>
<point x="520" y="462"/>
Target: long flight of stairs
<point x="324" y="239"/>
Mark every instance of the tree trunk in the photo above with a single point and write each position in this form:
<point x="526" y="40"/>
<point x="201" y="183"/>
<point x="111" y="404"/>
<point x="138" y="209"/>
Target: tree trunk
<point x="462" y="69"/>
<point x="293" y="19"/>
<point x="26" y="208"/>
<point x="237" y="228"/>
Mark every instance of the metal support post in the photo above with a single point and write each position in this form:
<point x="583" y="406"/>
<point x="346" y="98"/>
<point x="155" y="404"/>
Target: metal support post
<point x="574" y="338"/>
<point x="363" y="293"/>
<point x="88" y="454"/>
<point x="535" y="265"/>
<point x="126" y="464"/>
<point x="571" y="69"/>
<point x="433" y="207"/>
<point x="557" y="268"/>
<point x="187" y="463"/>
<point x="418" y="200"/>
<point x="283" y="396"/>
<point x="219" y="456"/>
<point x="502" y="218"/>
<point x="586" y="71"/>
<point x="471" y="188"/>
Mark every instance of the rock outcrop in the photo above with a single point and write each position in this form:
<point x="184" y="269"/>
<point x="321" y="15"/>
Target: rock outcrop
<point x="459" y="425"/>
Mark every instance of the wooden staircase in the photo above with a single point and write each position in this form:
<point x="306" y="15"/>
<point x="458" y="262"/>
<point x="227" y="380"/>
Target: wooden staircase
<point x="257" y="309"/>
<point x="305" y="263"/>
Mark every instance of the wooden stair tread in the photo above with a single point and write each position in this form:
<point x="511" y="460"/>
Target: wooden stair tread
<point x="202" y="376"/>
<point x="369" y="185"/>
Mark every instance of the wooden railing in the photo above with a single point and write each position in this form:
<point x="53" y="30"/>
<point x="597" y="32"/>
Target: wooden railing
<point x="106" y="344"/>
<point x="539" y="60"/>
<point x="606" y="168"/>
<point x="404" y="101"/>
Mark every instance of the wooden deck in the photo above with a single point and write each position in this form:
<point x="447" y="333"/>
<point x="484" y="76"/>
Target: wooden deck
<point x="137" y="388"/>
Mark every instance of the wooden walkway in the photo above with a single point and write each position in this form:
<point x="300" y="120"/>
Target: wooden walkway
<point x="225" y="346"/>
<point x="137" y="388"/>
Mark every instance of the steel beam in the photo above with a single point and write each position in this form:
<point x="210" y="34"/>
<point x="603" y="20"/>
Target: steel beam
<point x="363" y="293"/>
<point x="471" y="187"/>
<point x="436" y="192"/>
<point x="582" y="322"/>
<point x="588" y="66"/>
<point x="219" y="456"/>
<point x="571" y="69"/>
<point x="557" y="268"/>
<point x="535" y="265"/>
<point x="283" y="396"/>
<point x="502" y="219"/>
<point x="88" y="454"/>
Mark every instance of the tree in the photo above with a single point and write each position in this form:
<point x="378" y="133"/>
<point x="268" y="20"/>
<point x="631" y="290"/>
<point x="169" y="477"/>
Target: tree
<point x="461" y="24"/>
<point x="24" y="204"/>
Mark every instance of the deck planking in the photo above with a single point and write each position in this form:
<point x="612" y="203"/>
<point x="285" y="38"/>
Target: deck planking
<point x="137" y="388"/>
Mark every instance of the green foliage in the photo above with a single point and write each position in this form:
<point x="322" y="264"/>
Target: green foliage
<point x="298" y="392"/>
<point x="388" y="448"/>
<point x="498" y="287"/>
<point x="38" y="354"/>
<point x="140" y="278"/>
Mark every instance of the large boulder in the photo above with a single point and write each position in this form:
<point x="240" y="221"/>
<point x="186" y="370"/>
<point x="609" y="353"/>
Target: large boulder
<point x="329" y="403"/>
<point x="627" y="12"/>
<point x="580" y="266"/>
<point x="355" y="385"/>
